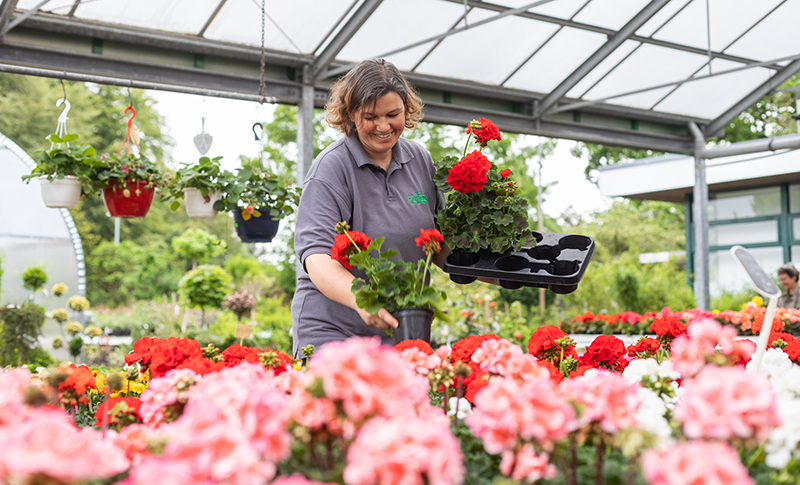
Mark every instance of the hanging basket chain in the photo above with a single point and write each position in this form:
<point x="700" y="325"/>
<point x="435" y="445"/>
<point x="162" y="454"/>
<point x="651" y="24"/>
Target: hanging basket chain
<point x="262" y="85"/>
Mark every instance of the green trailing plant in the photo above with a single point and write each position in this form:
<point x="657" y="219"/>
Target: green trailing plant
<point x="20" y="328"/>
<point x="482" y="210"/>
<point x="34" y="278"/>
<point x="253" y="188"/>
<point x="63" y="160"/>
<point x="205" y="288"/>
<point x="205" y="175"/>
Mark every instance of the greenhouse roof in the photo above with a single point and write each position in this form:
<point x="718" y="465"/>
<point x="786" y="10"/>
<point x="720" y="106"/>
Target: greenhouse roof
<point x="623" y="72"/>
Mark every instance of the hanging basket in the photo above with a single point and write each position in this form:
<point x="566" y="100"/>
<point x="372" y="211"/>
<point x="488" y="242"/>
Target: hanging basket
<point x="196" y="205"/>
<point x="413" y="323"/>
<point x="60" y="193"/>
<point x="256" y="229"/>
<point x="131" y="207"/>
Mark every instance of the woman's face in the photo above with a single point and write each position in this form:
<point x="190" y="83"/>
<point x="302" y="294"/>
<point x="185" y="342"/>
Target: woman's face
<point x="380" y="126"/>
<point x="787" y="281"/>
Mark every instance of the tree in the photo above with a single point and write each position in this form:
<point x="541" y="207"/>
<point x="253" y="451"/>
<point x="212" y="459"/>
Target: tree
<point x="34" y="279"/>
<point x="205" y="287"/>
<point x="20" y="328"/>
<point x="197" y="245"/>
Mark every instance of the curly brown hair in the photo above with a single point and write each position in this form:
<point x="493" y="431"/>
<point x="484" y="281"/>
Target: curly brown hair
<point x="363" y="85"/>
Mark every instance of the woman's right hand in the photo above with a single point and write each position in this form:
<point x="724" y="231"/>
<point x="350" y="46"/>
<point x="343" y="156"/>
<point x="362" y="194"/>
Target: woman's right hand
<point x="381" y="320"/>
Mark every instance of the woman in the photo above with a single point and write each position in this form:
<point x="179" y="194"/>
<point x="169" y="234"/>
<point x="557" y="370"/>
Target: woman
<point x="787" y="274"/>
<point x="377" y="182"/>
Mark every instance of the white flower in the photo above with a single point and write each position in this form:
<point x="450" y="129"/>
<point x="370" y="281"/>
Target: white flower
<point x="464" y="407"/>
<point x="639" y="368"/>
<point x="783" y="440"/>
<point x="774" y="363"/>
<point x="650" y="415"/>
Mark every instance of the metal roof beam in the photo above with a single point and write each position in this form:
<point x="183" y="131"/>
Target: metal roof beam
<point x="210" y="18"/>
<point x="607" y="32"/>
<point x="6" y="11"/>
<point x="342" y="37"/>
<point x="600" y="54"/>
<point x="74" y="7"/>
<point x="18" y="19"/>
<point x="718" y="125"/>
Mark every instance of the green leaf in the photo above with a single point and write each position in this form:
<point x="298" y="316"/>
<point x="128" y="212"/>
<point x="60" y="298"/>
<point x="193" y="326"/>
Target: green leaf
<point x="55" y="139"/>
<point x="175" y="204"/>
<point x="69" y="137"/>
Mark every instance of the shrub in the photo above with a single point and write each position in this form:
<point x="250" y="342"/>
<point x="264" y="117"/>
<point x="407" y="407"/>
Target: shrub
<point x="20" y="328"/>
<point x="34" y="278"/>
<point x="78" y="303"/>
<point x="205" y="287"/>
<point x="75" y="347"/>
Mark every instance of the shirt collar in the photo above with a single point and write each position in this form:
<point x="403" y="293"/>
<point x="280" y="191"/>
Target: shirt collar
<point x="400" y="153"/>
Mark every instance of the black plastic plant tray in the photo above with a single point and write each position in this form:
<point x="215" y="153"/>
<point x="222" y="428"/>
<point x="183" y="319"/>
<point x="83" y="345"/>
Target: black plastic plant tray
<point x="557" y="263"/>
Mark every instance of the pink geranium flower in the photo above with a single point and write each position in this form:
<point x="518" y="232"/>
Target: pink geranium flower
<point x="525" y="465"/>
<point x="13" y="383"/>
<point x="696" y="463"/>
<point x="726" y="403"/>
<point x="165" y="397"/>
<point x="604" y="397"/>
<point x="409" y="451"/>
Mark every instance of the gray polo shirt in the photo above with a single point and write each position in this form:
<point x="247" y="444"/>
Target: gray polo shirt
<point x="344" y="185"/>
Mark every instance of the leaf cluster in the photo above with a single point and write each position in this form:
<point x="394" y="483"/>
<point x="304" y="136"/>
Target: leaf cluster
<point x="393" y="284"/>
<point x="205" y="287"/>
<point x="62" y="161"/>
<point x="205" y="175"/>
<point x="254" y="186"/>
<point x="492" y="218"/>
<point x="123" y="170"/>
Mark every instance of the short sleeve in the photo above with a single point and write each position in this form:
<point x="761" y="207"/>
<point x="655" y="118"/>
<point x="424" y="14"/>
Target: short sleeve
<point x="321" y="208"/>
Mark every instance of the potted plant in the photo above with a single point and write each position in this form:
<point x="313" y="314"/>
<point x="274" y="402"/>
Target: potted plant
<point x="398" y="286"/>
<point x="200" y="185"/>
<point x="128" y="183"/>
<point x="258" y="200"/>
<point x="62" y="171"/>
<point x="482" y="210"/>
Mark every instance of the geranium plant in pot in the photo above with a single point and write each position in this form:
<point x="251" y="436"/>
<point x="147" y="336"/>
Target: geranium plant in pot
<point x="483" y="210"/>
<point x="200" y="185"/>
<point x="258" y="200"/>
<point x="128" y="184"/>
<point x="63" y="171"/>
<point x="398" y="286"/>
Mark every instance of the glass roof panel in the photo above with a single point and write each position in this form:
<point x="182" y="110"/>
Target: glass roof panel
<point x="709" y="98"/>
<point x="611" y="14"/>
<point x="662" y="16"/>
<point x="781" y="30"/>
<point x="641" y="100"/>
<point x="603" y="68"/>
<point x="397" y="24"/>
<point x="184" y="16"/>
<point x="556" y="60"/>
<point x="240" y="21"/>
<point x="729" y="19"/>
<point x="563" y="9"/>
<point x="649" y="65"/>
<point x="488" y="62"/>
<point x="54" y="6"/>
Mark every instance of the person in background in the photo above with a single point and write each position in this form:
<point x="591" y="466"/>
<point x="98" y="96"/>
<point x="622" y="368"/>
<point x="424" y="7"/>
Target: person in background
<point x="787" y="274"/>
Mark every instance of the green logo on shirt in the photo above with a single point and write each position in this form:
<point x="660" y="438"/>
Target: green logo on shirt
<point x="417" y="198"/>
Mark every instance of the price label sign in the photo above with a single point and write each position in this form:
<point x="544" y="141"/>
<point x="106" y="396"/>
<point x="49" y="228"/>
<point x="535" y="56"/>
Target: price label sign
<point x="758" y="277"/>
<point x="243" y="331"/>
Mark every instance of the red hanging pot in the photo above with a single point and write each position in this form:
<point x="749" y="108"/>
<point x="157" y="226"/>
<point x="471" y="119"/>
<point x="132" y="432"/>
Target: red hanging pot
<point x="135" y="205"/>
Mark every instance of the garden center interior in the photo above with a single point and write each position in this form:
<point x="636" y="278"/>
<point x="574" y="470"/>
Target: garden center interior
<point x="664" y="75"/>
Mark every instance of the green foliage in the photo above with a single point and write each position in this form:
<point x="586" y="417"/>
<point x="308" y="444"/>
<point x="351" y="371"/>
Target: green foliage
<point x="733" y="301"/>
<point x="61" y="161"/>
<point x="602" y="155"/>
<point x="34" y="278"/>
<point x="123" y="170"/>
<point x="206" y="175"/>
<point x="273" y="325"/>
<point x="481" y="467"/>
<point x="205" y="287"/>
<point x="130" y="271"/>
<point x="75" y="346"/>
<point x="254" y="186"/>
<point x="38" y="357"/>
<point x="20" y="328"/>
<point x="393" y="284"/>
<point x="198" y="245"/>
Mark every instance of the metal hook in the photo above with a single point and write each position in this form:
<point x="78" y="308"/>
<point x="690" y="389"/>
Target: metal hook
<point x="130" y="98"/>
<point x="62" y="118"/>
<point x="63" y="89"/>
<point x="203" y="107"/>
<point x="254" y="130"/>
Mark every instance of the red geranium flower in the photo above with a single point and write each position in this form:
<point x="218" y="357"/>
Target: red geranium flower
<point x="484" y="131"/>
<point x="581" y="370"/>
<point x="645" y="345"/>
<point x="202" y="366"/>
<point x="343" y="246"/>
<point x="73" y="389"/>
<point x="236" y="353"/>
<point x="793" y="350"/>
<point x="758" y="322"/>
<point x="668" y="326"/>
<point x="431" y="241"/>
<point x="543" y="346"/>
<point x="116" y="416"/>
<point x="417" y="343"/>
<point x="469" y="174"/>
<point x="275" y="360"/>
<point x="588" y="316"/>
<point x="464" y="348"/>
<point x="606" y="352"/>
<point x="786" y="338"/>
<point x="505" y="173"/>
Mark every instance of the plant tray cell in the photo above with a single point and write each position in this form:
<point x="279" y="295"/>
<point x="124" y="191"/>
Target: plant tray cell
<point x="557" y="263"/>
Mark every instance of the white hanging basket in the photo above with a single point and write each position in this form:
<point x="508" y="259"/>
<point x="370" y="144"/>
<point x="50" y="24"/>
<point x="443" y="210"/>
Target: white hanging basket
<point x="60" y="193"/>
<point x="196" y="205"/>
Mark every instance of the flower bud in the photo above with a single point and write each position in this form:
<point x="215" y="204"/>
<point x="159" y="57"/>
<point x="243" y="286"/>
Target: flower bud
<point x="115" y="382"/>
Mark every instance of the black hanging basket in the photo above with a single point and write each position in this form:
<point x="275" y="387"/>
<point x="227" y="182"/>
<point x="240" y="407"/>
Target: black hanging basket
<point x="256" y="229"/>
<point x="414" y="323"/>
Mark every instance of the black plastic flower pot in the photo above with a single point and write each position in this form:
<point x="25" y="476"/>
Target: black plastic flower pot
<point x="256" y="229"/>
<point x="413" y="324"/>
<point x="462" y="257"/>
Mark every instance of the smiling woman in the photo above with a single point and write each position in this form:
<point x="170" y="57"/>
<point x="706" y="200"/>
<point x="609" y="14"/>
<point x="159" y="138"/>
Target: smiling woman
<point x="374" y="180"/>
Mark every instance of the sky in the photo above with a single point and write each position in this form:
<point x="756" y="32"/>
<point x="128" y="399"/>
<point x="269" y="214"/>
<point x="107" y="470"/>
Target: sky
<point x="230" y="123"/>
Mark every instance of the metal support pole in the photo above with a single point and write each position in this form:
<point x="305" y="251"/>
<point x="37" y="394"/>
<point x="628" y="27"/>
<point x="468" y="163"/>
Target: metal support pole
<point x="539" y="190"/>
<point x="305" y="134"/>
<point x="701" y="272"/>
<point x="116" y="231"/>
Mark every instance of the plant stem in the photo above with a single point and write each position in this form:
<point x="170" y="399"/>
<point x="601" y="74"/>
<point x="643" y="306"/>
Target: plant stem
<point x="598" y="479"/>
<point x="425" y="273"/>
<point x="469" y="137"/>
<point x="573" y="450"/>
<point x="630" y="476"/>
<point x="444" y="403"/>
